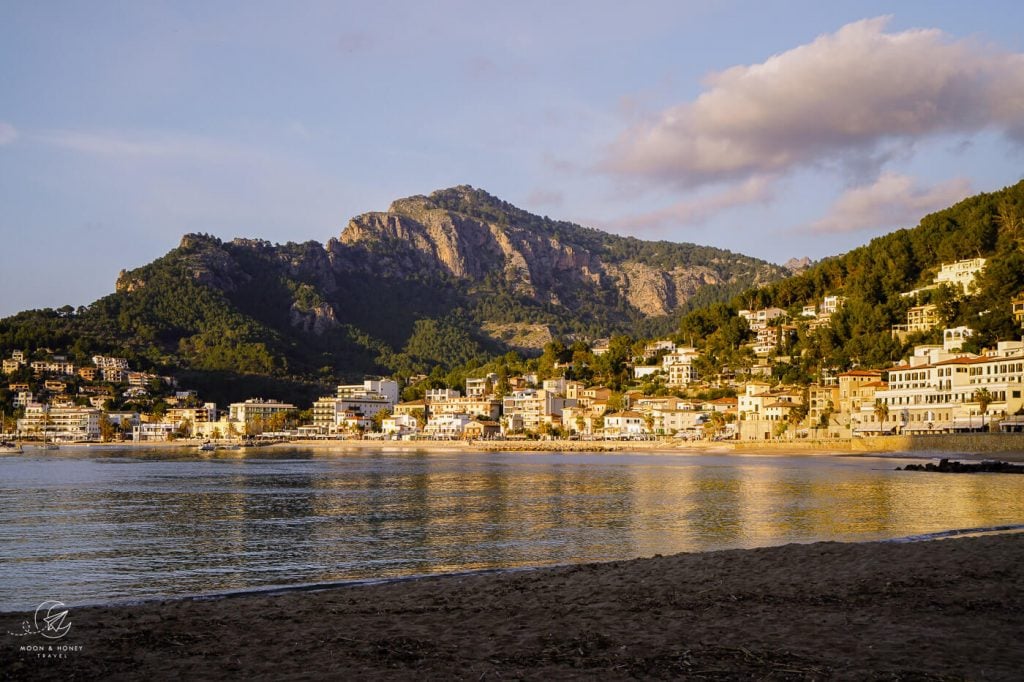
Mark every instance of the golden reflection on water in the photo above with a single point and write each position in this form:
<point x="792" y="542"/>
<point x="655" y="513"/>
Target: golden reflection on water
<point x="526" y="511"/>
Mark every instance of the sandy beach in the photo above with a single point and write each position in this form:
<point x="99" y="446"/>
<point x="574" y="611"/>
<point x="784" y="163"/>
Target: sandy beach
<point x="949" y="609"/>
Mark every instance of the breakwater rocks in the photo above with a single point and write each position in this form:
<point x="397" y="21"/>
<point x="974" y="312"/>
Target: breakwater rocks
<point x="946" y="466"/>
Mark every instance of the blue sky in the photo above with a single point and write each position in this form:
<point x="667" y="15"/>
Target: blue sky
<point x="775" y="129"/>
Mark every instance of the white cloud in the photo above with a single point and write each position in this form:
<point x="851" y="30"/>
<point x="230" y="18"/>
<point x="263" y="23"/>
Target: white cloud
<point x="8" y="133"/>
<point x="892" y="201"/>
<point x="142" y="145"/>
<point x="845" y="96"/>
<point x="756" y="190"/>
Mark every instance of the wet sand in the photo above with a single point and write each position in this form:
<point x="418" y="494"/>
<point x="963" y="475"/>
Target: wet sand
<point x="949" y="609"/>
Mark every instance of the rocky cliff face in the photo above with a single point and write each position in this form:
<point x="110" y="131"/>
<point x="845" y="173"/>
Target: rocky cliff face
<point x="417" y="234"/>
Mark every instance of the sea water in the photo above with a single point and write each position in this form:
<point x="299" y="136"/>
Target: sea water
<point x="91" y="526"/>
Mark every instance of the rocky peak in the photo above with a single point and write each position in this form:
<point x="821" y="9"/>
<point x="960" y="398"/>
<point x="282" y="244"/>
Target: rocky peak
<point x="471" y="235"/>
<point x="797" y="265"/>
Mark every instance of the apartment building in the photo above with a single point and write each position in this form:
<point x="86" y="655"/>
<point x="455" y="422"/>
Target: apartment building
<point x="60" y="424"/>
<point x="256" y="409"/>
<point x="937" y="391"/>
<point x="482" y="386"/>
<point x="489" y="408"/>
<point x="960" y="274"/>
<point x="536" y="407"/>
<point x="679" y="367"/>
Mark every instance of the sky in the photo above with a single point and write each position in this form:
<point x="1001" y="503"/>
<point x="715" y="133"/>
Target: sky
<point x="775" y="129"/>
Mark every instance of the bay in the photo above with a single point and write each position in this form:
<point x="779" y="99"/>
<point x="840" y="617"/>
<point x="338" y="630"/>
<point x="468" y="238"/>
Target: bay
<point x="99" y="526"/>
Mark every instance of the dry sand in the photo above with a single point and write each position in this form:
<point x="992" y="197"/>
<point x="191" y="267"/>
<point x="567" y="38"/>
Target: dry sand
<point x="947" y="609"/>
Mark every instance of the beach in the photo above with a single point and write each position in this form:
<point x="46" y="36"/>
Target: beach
<point x="949" y="609"/>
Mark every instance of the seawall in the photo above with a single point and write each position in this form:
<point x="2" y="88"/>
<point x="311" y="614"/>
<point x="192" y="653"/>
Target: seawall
<point x="945" y="443"/>
<point x="980" y="443"/>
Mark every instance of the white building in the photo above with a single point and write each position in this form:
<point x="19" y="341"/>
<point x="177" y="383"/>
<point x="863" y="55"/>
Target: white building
<point x="152" y="432"/>
<point x="645" y="371"/>
<point x="194" y="415"/>
<point x="939" y="391"/>
<point x="354" y="404"/>
<point x="679" y="367"/>
<point x="106" y="362"/>
<point x="767" y="341"/>
<point x="556" y="385"/>
<point x="441" y="394"/>
<point x="953" y="339"/>
<point x="447" y="426"/>
<point x="385" y="388"/>
<point x="960" y="274"/>
<point x="536" y="406"/>
<point x="488" y="408"/>
<point x="655" y="347"/>
<point x="255" y="409"/>
<point x="64" y="367"/>
<point x="920" y="318"/>
<point x="60" y="424"/>
<point x="482" y="386"/>
<point x="625" y="424"/>
<point x="759" y="319"/>
<point x="400" y="425"/>
<point x="831" y="304"/>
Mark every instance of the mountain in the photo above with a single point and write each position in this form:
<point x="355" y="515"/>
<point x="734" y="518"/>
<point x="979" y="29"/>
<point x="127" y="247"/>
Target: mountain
<point x="442" y="280"/>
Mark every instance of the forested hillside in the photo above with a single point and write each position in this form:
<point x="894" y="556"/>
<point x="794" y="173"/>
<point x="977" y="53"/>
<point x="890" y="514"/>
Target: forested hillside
<point x="873" y="276"/>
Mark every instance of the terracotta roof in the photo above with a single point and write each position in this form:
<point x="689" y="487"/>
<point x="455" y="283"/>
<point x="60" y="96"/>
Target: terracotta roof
<point x="964" y="361"/>
<point x="862" y="373"/>
<point x="628" y="413"/>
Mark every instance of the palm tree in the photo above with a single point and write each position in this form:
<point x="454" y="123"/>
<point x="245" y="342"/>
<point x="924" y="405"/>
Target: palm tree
<point x="881" y="413"/>
<point x="984" y="398"/>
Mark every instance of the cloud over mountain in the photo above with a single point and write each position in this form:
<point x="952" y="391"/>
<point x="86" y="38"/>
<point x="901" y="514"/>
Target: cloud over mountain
<point x="697" y="210"/>
<point x="893" y="199"/>
<point x="842" y="97"/>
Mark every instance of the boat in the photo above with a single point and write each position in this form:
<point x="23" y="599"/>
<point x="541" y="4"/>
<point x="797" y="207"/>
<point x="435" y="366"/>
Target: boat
<point x="9" y="447"/>
<point x="207" y="447"/>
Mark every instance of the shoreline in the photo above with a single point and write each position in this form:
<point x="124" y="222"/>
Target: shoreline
<point x="803" y="611"/>
<point x="284" y="589"/>
<point x="968" y="447"/>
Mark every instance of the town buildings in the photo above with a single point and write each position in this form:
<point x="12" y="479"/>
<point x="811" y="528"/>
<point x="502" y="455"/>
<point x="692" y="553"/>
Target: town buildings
<point x="257" y="410"/>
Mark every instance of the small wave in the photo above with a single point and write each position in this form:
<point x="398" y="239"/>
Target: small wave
<point x="960" y="532"/>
